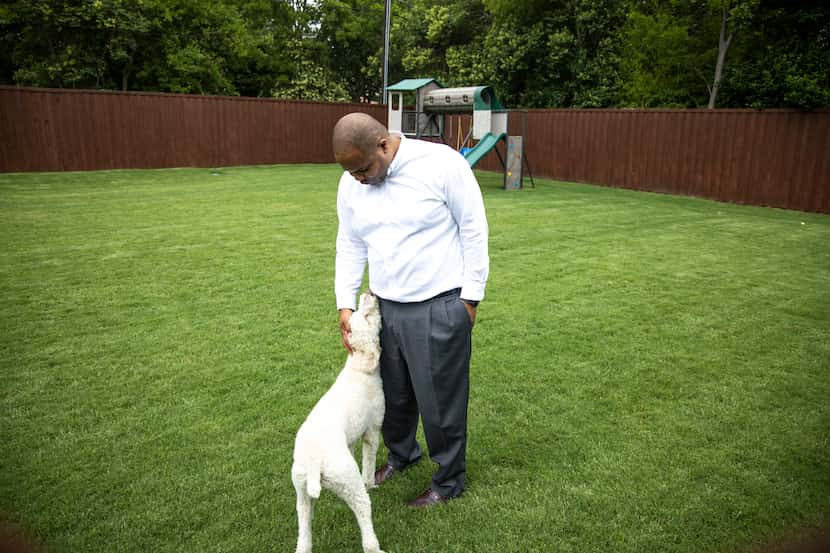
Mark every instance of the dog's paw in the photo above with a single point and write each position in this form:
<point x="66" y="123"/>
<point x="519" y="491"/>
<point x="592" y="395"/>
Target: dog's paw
<point x="372" y="547"/>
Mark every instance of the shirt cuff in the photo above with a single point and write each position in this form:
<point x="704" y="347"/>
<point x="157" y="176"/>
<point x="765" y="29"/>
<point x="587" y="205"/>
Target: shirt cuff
<point x="472" y="292"/>
<point x="351" y="306"/>
<point x="346" y="301"/>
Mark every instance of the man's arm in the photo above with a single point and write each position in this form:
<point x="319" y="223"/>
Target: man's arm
<point x="350" y="262"/>
<point x="346" y="328"/>
<point x="467" y="206"/>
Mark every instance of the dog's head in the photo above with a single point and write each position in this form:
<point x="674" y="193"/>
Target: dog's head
<point x="365" y="323"/>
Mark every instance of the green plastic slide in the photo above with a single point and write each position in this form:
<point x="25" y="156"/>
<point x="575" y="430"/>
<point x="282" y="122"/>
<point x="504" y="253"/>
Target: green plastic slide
<point x="487" y="143"/>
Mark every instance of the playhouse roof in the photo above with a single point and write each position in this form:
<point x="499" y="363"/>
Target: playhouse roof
<point x="412" y="84"/>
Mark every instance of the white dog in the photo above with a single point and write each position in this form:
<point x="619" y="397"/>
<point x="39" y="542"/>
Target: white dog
<point x="352" y="408"/>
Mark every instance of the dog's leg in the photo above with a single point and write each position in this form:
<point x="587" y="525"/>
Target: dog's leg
<point x="371" y="439"/>
<point x="347" y="483"/>
<point x="305" y="512"/>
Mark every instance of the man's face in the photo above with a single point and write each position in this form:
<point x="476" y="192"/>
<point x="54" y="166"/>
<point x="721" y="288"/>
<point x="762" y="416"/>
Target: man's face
<point x="367" y="168"/>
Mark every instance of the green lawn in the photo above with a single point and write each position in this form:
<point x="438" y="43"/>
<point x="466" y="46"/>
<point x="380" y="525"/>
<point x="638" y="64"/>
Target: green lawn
<point x="650" y="373"/>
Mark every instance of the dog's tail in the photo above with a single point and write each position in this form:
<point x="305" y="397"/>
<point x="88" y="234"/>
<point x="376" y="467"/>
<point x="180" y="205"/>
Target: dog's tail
<point x="312" y="476"/>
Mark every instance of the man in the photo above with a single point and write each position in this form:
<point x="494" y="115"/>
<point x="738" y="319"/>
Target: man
<point x="414" y="211"/>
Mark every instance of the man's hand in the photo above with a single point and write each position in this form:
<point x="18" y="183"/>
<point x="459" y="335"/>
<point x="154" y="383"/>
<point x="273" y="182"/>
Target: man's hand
<point x="471" y="311"/>
<point x="346" y="328"/>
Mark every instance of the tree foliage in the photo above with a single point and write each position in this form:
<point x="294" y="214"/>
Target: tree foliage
<point x="536" y="53"/>
<point x="783" y="59"/>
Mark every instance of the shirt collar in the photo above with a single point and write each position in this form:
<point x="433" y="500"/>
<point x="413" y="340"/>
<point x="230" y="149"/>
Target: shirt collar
<point x="396" y="161"/>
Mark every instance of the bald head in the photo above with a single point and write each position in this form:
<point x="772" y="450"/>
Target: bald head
<point x="357" y="130"/>
<point x="364" y="148"/>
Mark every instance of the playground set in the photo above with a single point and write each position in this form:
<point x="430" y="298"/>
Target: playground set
<point x="424" y="117"/>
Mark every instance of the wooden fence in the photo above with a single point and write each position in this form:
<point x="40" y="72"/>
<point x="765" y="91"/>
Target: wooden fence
<point x="778" y="158"/>
<point x="67" y="130"/>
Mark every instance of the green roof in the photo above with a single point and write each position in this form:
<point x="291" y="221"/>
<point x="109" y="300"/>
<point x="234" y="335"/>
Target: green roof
<point x="412" y="84"/>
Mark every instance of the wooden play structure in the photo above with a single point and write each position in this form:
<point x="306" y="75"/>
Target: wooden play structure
<point x="418" y="107"/>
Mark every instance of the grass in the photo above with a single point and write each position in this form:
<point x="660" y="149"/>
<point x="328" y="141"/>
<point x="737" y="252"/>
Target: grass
<point x="650" y="373"/>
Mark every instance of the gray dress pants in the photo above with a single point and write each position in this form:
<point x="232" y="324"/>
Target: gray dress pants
<point x="425" y="366"/>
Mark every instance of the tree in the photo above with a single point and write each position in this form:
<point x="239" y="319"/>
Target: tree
<point x="199" y="46"/>
<point x="782" y="58"/>
<point x="733" y="15"/>
<point x="348" y="42"/>
<point x="762" y="54"/>
<point x="309" y="80"/>
<point x="655" y="61"/>
<point x="536" y="53"/>
<point x="77" y="44"/>
<point x="665" y="55"/>
<point x="269" y="59"/>
<point x="427" y="36"/>
<point x="540" y="54"/>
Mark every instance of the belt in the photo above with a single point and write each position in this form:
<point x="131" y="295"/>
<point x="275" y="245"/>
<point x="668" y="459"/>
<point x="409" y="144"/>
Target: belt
<point x="444" y="294"/>
<point x="452" y="292"/>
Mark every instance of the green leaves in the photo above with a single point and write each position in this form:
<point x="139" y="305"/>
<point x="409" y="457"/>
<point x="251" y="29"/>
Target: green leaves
<point x="311" y="81"/>
<point x="349" y="43"/>
<point x="658" y="65"/>
<point x="781" y="59"/>
<point x="581" y="53"/>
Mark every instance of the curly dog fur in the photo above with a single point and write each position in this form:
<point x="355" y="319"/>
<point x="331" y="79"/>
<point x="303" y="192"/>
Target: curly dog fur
<point x="352" y="408"/>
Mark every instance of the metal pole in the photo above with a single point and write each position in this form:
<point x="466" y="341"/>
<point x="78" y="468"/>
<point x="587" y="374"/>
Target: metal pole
<point x="388" y="13"/>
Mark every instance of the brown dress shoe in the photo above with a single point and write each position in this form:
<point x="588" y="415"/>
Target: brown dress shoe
<point x="428" y="498"/>
<point x="384" y="473"/>
<point x="387" y="471"/>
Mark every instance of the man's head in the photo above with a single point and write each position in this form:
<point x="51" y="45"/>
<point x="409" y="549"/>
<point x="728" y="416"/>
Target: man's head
<point x="363" y="147"/>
